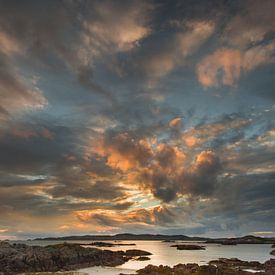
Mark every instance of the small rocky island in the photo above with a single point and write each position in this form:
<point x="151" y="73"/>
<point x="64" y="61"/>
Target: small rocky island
<point x="106" y="244"/>
<point x="188" y="247"/>
<point x="18" y="258"/>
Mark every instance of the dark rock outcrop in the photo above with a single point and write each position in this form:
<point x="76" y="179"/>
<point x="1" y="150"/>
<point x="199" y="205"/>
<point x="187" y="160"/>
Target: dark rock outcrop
<point x="235" y="263"/>
<point x="272" y="252"/>
<point x="137" y="252"/>
<point x="188" y="247"/>
<point x="143" y="258"/>
<point x="18" y="258"/>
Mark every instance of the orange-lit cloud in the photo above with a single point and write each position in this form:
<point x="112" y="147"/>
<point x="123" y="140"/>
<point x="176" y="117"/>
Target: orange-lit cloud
<point x="158" y="216"/>
<point x="199" y="135"/>
<point x="124" y="152"/>
<point x="8" y="44"/>
<point x="175" y="123"/>
<point x="223" y="67"/>
<point x="190" y="140"/>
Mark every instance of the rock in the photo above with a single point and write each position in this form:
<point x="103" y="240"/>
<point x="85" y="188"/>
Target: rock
<point x="99" y="244"/>
<point x="143" y="258"/>
<point x="235" y="263"/>
<point x="19" y="258"/>
<point x="272" y="252"/>
<point x="106" y="244"/>
<point x="136" y="252"/>
<point x="273" y="246"/>
<point x="228" y="242"/>
<point x="188" y="247"/>
<point x="269" y="267"/>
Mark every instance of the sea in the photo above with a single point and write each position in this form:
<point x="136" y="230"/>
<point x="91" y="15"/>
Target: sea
<point x="164" y="254"/>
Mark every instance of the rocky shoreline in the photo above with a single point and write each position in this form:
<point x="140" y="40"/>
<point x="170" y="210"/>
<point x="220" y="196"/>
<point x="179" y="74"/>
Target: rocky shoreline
<point x="218" y="267"/>
<point x="21" y="258"/>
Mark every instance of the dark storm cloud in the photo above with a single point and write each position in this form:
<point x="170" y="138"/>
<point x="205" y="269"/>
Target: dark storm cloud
<point x="77" y="188"/>
<point x="36" y="152"/>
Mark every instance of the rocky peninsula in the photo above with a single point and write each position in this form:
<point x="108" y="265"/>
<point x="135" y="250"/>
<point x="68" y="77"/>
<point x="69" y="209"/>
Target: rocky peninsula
<point x="21" y="258"/>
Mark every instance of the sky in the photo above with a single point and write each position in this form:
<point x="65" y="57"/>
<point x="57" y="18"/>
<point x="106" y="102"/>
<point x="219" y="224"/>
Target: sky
<point x="137" y="116"/>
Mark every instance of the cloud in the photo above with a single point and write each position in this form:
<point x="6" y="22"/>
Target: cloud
<point x="223" y="67"/>
<point x="248" y="44"/>
<point x="74" y="38"/>
<point x="169" y="52"/>
<point x="243" y="31"/>
<point x="175" y="123"/>
<point x="113" y="28"/>
<point x="156" y="216"/>
<point x="124" y="152"/>
<point x="17" y="93"/>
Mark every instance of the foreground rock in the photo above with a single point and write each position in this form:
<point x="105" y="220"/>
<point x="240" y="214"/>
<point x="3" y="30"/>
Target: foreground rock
<point x="235" y="263"/>
<point x="19" y="258"/>
<point x="219" y="267"/>
<point x="272" y="252"/>
<point x="188" y="247"/>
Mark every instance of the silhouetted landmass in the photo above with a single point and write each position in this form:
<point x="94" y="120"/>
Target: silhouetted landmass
<point x="167" y="238"/>
<point x="242" y="240"/>
<point x="126" y="236"/>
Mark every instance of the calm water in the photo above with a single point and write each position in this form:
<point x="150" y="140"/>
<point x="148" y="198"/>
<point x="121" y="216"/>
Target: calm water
<point x="166" y="255"/>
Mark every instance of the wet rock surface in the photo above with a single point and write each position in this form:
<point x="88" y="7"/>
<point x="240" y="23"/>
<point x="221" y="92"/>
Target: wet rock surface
<point x="21" y="258"/>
